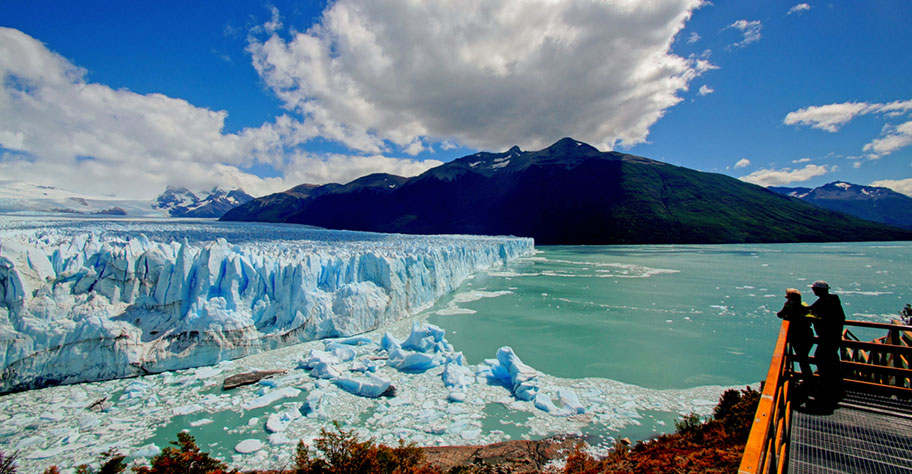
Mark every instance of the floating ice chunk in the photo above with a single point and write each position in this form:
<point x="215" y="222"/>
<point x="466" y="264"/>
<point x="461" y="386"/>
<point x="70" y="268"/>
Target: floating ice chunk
<point x="370" y="386"/>
<point x="427" y="337"/>
<point x="364" y="365"/>
<point x="278" y="439"/>
<point x="146" y="451"/>
<point x="249" y="446"/>
<point x="313" y="405"/>
<point x="200" y="422"/>
<point x="544" y="403"/>
<point x="271" y="397"/>
<point x="278" y="422"/>
<point x="570" y="401"/>
<point x="388" y="342"/>
<point x="325" y="371"/>
<point x="355" y="341"/>
<point x="207" y="372"/>
<point x="316" y="357"/>
<point x="522" y="379"/>
<point x="186" y="409"/>
<point x="343" y="352"/>
<point x="414" y="361"/>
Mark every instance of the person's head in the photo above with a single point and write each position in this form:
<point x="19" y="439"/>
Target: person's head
<point x="793" y="295"/>
<point x="820" y="288"/>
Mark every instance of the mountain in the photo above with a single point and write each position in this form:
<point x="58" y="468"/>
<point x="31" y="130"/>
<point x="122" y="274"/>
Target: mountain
<point x="181" y="202"/>
<point x="867" y="202"/>
<point x="568" y="193"/>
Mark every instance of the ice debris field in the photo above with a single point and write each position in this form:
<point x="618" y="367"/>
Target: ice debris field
<point x="191" y="304"/>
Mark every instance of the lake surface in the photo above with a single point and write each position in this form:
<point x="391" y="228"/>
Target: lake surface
<point x="673" y="316"/>
<point x="642" y="334"/>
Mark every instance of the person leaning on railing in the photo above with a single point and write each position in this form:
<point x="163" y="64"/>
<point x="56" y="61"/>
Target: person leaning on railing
<point x="828" y="319"/>
<point x="800" y="336"/>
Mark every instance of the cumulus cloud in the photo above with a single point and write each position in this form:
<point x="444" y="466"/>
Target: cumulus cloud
<point x="750" y="30"/>
<point x="773" y="177"/>
<point x="395" y="73"/>
<point x="903" y="186"/>
<point x="742" y="163"/>
<point x="58" y="129"/>
<point x="832" y="117"/>
<point x="706" y="90"/>
<point x="801" y="7"/>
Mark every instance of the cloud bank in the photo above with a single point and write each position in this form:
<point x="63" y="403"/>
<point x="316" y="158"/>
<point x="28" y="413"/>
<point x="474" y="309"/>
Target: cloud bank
<point x="832" y="117"/>
<point x="376" y="74"/>
<point x="58" y="129"/>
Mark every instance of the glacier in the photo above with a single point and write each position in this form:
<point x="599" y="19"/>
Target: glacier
<point x="91" y="299"/>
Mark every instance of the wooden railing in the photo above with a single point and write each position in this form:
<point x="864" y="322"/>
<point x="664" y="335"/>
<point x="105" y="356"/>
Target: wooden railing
<point x="881" y="365"/>
<point x="767" y="445"/>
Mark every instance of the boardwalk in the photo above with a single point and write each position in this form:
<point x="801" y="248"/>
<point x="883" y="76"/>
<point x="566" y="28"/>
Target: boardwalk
<point x="870" y="431"/>
<point x="866" y="434"/>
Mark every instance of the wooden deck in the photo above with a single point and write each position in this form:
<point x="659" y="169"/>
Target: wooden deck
<point x="870" y="431"/>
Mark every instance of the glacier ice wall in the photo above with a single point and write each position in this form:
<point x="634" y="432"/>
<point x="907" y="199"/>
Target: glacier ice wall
<point x="86" y="300"/>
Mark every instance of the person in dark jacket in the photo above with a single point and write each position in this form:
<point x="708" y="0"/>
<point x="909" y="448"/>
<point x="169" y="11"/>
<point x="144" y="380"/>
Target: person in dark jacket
<point x="800" y="336"/>
<point x="828" y="319"/>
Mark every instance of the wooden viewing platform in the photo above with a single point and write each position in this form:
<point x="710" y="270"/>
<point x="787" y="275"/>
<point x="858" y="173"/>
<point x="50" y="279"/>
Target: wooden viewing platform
<point x="870" y="431"/>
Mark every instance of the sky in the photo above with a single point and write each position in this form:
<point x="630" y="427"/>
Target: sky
<point x="125" y="98"/>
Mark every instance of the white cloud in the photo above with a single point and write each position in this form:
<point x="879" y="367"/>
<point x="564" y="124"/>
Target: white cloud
<point x="827" y="117"/>
<point x="899" y="185"/>
<point x="832" y="117"/>
<point x="773" y="177"/>
<point x="484" y="74"/>
<point x="706" y="90"/>
<point x="750" y="30"/>
<point x="893" y="139"/>
<point x="693" y="37"/>
<point x="801" y="7"/>
<point x="62" y="131"/>
<point x="801" y="160"/>
<point x="742" y="163"/>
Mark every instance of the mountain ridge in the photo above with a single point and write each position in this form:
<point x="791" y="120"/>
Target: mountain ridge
<point x="568" y="193"/>
<point x="871" y="203"/>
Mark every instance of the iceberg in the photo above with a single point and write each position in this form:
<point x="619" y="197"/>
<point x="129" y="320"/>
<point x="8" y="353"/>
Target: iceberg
<point x="87" y="300"/>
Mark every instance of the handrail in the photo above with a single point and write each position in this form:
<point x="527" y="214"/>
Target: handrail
<point x="760" y="455"/>
<point x="767" y="446"/>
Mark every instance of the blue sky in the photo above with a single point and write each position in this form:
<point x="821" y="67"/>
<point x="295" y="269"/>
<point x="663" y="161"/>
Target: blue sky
<point x="124" y="98"/>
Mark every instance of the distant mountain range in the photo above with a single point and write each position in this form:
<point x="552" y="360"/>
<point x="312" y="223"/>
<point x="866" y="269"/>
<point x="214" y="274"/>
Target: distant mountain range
<point x="568" y="193"/>
<point x="867" y="202"/>
<point x="173" y="202"/>
<point x="181" y="202"/>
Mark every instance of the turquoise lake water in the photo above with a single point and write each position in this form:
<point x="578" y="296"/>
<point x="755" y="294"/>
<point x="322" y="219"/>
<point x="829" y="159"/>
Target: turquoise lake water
<point x="663" y="317"/>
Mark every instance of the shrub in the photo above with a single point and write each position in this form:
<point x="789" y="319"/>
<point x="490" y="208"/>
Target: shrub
<point x="342" y="453"/>
<point x="688" y="424"/>
<point x="8" y="462"/>
<point x="185" y="459"/>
